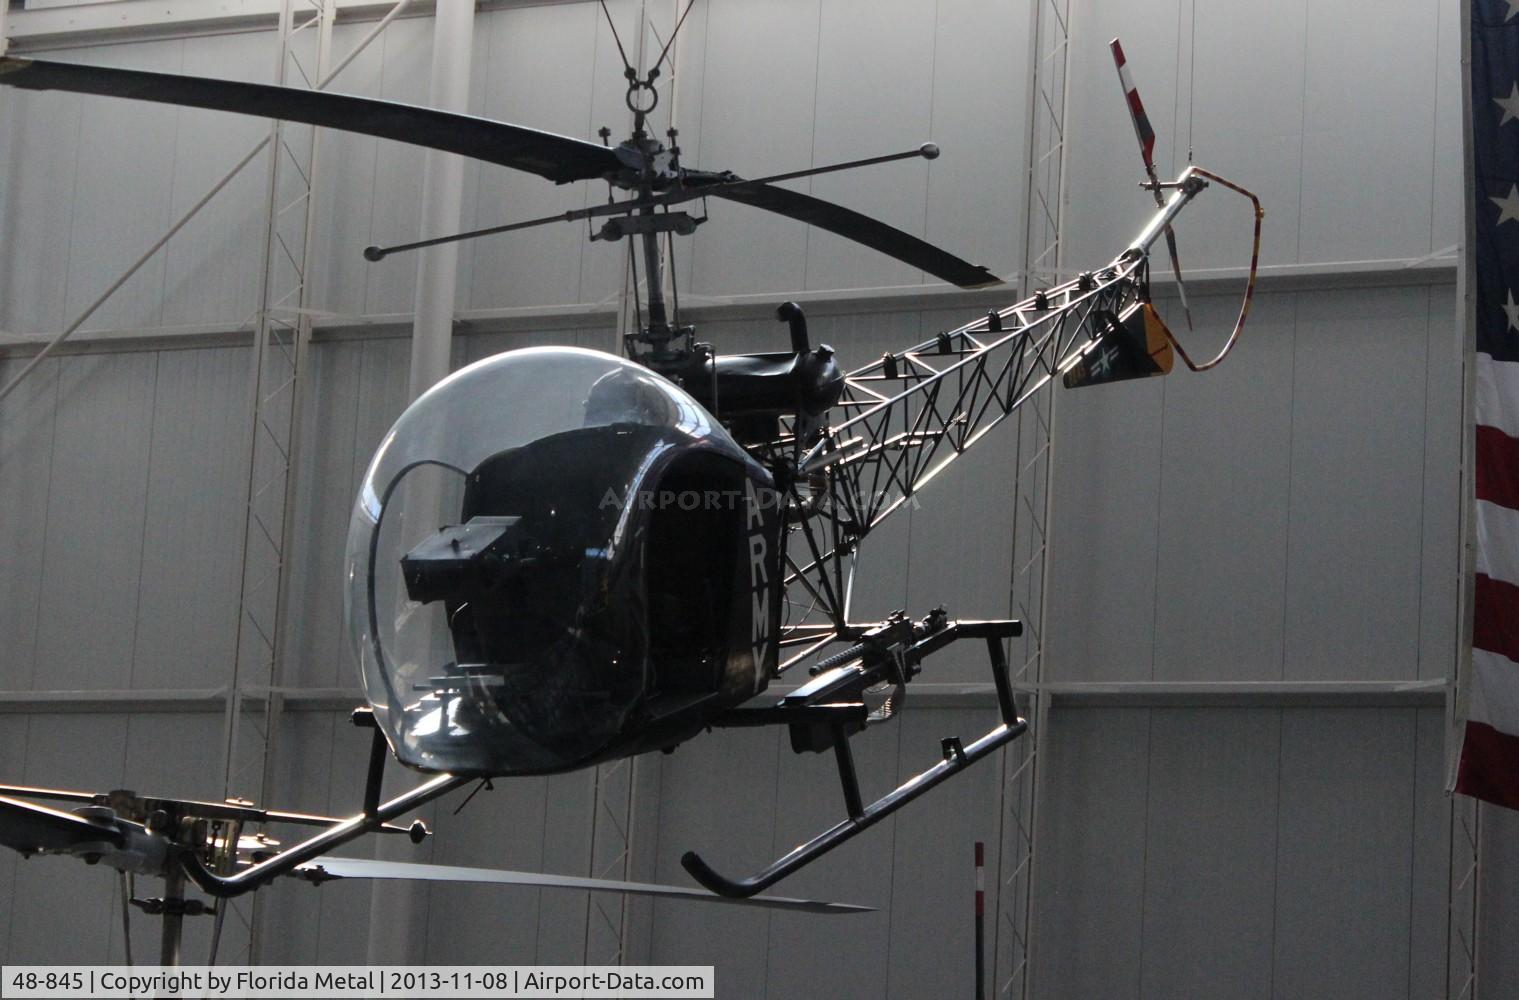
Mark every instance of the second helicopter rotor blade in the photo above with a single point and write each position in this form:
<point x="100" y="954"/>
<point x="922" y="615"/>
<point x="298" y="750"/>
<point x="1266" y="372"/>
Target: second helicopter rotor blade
<point x="29" y="828"/>
<point x="328" y="868"/>
<point x="860" y="229"/>
<point x="558" y="158"/>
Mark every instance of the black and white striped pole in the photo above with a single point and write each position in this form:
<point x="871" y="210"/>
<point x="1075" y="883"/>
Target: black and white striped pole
<point x="980" y="921"/>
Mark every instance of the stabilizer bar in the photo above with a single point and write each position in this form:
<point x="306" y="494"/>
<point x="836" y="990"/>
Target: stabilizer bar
<point x="254" y="876"/>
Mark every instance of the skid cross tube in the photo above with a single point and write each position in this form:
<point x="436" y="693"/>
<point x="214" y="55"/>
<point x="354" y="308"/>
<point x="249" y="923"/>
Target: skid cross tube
<point x="957" y="757"/>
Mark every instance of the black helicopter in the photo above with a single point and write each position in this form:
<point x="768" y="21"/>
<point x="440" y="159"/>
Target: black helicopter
<point x="621" y="533"/>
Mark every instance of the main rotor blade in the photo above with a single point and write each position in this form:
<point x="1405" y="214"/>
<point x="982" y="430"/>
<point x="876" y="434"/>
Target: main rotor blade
<point x="861" y="229"/>
<point x="556" y="157"/>
<point x="30" y="828"/>
<point x="324" y="868"/>
<point x="60" y="794"/>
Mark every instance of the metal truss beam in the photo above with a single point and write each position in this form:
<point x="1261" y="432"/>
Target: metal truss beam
<point x="908" y="415"/>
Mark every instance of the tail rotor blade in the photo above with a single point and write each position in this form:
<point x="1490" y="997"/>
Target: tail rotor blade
<point x="1181" y="286"/>
<point x="1146" y="135"/>
<point x="1142" y="127"/>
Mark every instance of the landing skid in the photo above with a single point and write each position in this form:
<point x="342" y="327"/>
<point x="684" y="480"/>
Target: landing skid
<point x="829" y="709"/>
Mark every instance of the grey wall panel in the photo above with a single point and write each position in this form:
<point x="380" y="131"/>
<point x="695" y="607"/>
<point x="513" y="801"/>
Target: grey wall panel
<point x="323" y="503"/>
<point x="66" y="751"/>
<point x="933" y="880"/>
<point x="1210" y="872"/>
<point x="1498" y="960"/>
<point x="1346" y="825"/>
<point x="602" y="266"/>
<point x="1154" y="856"/>
<point x="470" y="202"/>
<point x="1353" y="551"/>
<point x="683" y="101"/>
<point x="96" y="508"/>
<point x="172" y="754"/>
<point x="562" y="917"/>
<point x="729" y="784"/>
<point x="40" y="158"/>
<point x="320" y="768"/>
<point x="189" y="578"/>
<point x="1379" y="98"/>
<point x="1428" y="938"/>
<point x="743" y="249"/>
<point x="26" y="456"/>
<point x="976" y="196"/>
<point x="504" y="828"/>
<point x="108" y="232"/>
<point x="381" y="381"/>
<point x="396" y="210"/>
<point x="553" y="67"/>
<point x="525" y="50"/>
<point x="1091" y="859"/>
<point x="169" y="753"/>
<point x="1102" y="160"/>
<point x="804" y="957"/>
<point x="290" y="914"/>
<point x="477" y="346"/>
<point x="1226" y="91"/>
<point x="962" y="531"/>
<point x="1444" y="429"/>
<point x="212" y="266"/>
<point x="645" y="860"/>
<point x="1366" y="181"/>
<point x="12" y="757"/>
<point x="883" y="577"/>
<point x="1106" y="511"/>
<point x="1290" y="852"/>
<point x="864" y="105"/>
<point x="384" y="379"/>
<point x="927" y="847"/>
<point x="1324" y="382"/>
<point x="1028" y="439"/>
<point x="1225" y="452"/>
<point x="345" y="192"/>
<point x="1448" y="189"/>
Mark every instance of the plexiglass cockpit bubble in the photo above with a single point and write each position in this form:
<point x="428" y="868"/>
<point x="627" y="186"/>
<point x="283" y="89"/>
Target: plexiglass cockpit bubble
<point x="494" y="596"/>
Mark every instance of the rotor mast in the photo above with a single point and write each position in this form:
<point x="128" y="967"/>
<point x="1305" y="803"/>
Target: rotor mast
<point x="658" y="332"/>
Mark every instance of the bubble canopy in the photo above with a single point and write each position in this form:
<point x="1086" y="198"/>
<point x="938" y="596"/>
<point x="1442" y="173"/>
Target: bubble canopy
<point x="514" y="638"/>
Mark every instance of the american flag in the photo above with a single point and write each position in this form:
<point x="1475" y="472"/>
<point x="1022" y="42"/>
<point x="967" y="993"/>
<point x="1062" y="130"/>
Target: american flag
<point x="1489" y="762"/>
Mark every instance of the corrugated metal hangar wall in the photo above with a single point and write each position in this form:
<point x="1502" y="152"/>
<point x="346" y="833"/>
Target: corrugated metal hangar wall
<point x="1252" y="587"/>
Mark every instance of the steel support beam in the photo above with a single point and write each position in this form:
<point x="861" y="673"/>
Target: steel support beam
<point x="398" y="909"/>
<point x="1044" y="265"/>
<point x="442" y="203"/>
